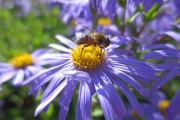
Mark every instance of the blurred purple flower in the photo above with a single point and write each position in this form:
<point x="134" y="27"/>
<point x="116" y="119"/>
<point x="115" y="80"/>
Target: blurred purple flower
<point x="107" y="27"/>
<point x="171" y="56"/>
<point x="154" y="108"/>
<point x="114" y="67"/>
<point x="74" y="9"/>
<point x="105" y="7"/>
<point x="173" y="110"/>
<point x="146" y="3"/>
<point x="23" y="66"/>
<point x="151" y="112"/>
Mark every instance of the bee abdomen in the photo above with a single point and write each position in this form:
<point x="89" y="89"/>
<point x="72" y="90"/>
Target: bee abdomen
<point x="85" y="39"/>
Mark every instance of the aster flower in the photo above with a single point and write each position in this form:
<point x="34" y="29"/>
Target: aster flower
<point x="105" y="25"/>
<point x="154" y="108"/>
<point x="168" y="109"/>
<point x="105" y="7"/>
<point x="151" y="112"/>
<point x="23" y="65"/>
<point x="97" y="70"/>
<point x="74" y="9"/>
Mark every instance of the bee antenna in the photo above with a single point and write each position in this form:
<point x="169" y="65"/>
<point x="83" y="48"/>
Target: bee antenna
<point x="86" y="28"/>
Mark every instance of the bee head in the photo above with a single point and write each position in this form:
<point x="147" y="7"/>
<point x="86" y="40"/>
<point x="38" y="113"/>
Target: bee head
<point x="102" y="40"/>
<point x="107" y="41"/>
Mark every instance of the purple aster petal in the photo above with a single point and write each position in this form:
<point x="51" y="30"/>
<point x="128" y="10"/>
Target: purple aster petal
<point x="7" y="76"/>
<point x="144" y="73"/>
<point x="65" y="99"/>
<point x="44" y="73"/>
<point x="51" y="62"/>
<point x="87" y="13"/>
<point x="77" y="75"/>
<point x="65" y="41"/>
<point x="93" y="3"/>
<point x="54" y="56"/>
<point x="39" y="52"/>
<point x="42" y="82"/>
<point x="50" y="97"/>
<point x="158" y="46"/>
<point x="161" y="53"/>
<point x="32" y="69"/>
<point x="174" y="35"/>
<point x="148" y="4"/>
<point x="168" y="66"/>
<point x="160" y="2"/>
<point x="143" y="79"/>
<point x="130" y="80"/>
<point x="155" y="98"/>
<point x="98" y="4"/>
<point x="121" y="51"/>
<point x="164" y="79"/>
<point x="117" y="102"/>
<point x="59" y="47"/>
<point x="6" y="69"/>
<point x="174" y="107"/>
<point x="129" y="3"/>
<point x="18" y="80"/>
<point x="27" y="72"/>
<point x="2" y="64"/>
<point x="111" y="6"/>
<point x="83" y="110"/>
<point x="56" y="75"/>
<point x="53" y="85"/>
<point x="130" y="96"/>
<point x="105" y="103"/>
<point x="139" y="64"/>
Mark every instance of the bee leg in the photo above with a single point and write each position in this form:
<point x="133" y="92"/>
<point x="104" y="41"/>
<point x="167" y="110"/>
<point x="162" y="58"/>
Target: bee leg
<point x="102" y="49"/>
<point x="83" y="48"/>
<point x="94" y="48"/>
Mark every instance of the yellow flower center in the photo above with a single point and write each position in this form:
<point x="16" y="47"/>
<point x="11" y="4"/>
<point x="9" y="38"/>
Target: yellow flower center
<point x="104" y="21"/>
<point x="162" y="105"/>
<point x="134" y="114"/>
<point x="22" y="60"/>
<point x="87" y="57"/>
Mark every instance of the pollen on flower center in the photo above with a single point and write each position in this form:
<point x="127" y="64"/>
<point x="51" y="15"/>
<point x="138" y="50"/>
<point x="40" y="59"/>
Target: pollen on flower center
<point x="104" y="21"/>
<point x="22" y="60"/>
<point x="162" y="104"/>
<point x="87" y="57"/>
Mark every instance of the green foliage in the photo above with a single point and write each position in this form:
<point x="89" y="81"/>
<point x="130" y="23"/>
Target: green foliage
<point x="18" y="34"/>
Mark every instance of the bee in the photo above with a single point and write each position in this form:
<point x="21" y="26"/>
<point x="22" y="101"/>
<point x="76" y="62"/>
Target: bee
<point x="92" y="38"/>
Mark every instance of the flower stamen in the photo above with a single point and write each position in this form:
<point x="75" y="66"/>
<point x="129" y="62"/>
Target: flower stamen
<point x="22" y="60"/>
<point x="162" y="104"/>
<point x="87" y="57"/>
<point x="104" y="21"/>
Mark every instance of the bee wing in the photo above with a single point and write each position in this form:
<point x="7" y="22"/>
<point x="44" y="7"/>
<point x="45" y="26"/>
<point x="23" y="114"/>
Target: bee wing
<point x="86" y="28"/>
<point x="78" y="34"/>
